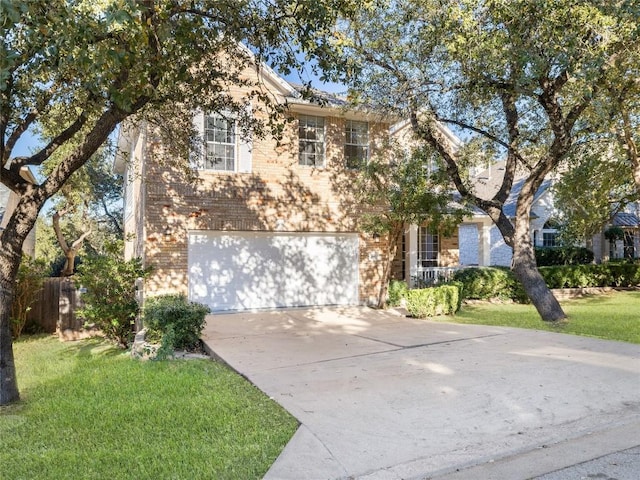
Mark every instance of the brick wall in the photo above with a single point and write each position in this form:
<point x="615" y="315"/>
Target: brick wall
<point x="278" y="195"/>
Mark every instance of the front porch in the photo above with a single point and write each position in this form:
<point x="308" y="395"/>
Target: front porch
<point x="426" y="258"/>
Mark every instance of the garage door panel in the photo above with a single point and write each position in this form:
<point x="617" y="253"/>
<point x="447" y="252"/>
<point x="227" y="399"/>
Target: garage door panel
<point x="237" y="271"/>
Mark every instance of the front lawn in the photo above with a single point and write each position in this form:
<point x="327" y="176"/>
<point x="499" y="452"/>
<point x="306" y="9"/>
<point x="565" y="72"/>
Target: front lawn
<point x="88" y="411"/>
<point x="613" y="316"/>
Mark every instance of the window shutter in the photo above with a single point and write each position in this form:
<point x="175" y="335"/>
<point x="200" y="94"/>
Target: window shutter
<point x="197" y="151"/>
<point x="245" y="146"/>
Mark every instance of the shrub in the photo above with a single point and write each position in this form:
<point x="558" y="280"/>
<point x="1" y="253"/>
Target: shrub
<point x="580" y="276"/>
<point x="110" y="297"/>
<point x="429" y="302"/>
<point x="28" y="283"/>
<point x="546" y="256"/>
<point x="397" y="291"/>
<point x="176" y="320"/>
<point x="483" y="283"/>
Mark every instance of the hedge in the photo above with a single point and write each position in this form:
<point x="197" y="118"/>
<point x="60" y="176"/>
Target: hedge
<point x="547" y="256"/>
<point x="432" y="301"/>
<point x="483" y="283"/>
<point x="580" y="276"/>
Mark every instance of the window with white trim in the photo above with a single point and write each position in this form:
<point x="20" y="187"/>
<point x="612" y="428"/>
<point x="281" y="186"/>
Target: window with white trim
<point x="311" y="140"/>
<point x="550" y="233"/>
<point x="220" y="143"/>
<point x="356" y="144"/>
<point x="224" y="149"/>
<point x="428" y="248"/>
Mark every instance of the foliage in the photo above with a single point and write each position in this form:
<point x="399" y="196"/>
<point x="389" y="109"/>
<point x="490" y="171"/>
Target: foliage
<point x="515" y="80"/>
<point x="124" y="419"/>
<point x="74" y="71"/>
<point x="396" y="292"/>
<point x="603" y="275"/>
<point x="485" y="283"/>
<point x="398" y="188"/>
<point x="110" y="297"/>
<point x="595" y="186"/>
<point x="177" y="320"/>
<point x="432" y="301"/>
<point x="28" y="284"/>
<point x="614" y="233"/>
<point x="563" y="256"/>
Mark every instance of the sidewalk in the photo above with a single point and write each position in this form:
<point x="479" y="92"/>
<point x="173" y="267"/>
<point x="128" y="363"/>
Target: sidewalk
<point x="381" y="396"/>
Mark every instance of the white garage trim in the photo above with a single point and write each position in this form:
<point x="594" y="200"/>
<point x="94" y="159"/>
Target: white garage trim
<point x="251" y="270"/>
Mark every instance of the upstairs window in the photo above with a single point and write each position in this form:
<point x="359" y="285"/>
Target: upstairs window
<point x="224" y="149"/>
<point x="311" y="140"/>
<point x="356" y="145"/>
<point x="220" y="143"/>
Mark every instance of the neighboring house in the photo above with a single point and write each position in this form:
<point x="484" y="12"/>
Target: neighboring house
<point x="8" y="202"/>
<point x="628" y="246"/>
<point x="428" y="256"/>
<point x="265" y="224"/>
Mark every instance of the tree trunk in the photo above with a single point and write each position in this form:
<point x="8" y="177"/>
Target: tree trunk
<point x="9" y="263"/>
<point x="523" y="265"/>
<point x="8" y="382"/>
<point x="392" y="248"/>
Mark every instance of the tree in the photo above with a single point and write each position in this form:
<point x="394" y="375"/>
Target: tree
<point x="514" y="78"/>
<point x="401" y="188"/>
<point x="597" y="185"/>
<point x="91" y="203"/>
<point x="83" y="67"/>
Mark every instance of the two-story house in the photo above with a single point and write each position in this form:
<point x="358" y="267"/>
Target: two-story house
<point x="265" y="223"/>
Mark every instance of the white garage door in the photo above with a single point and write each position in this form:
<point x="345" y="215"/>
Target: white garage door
<point x="247" y="270"/>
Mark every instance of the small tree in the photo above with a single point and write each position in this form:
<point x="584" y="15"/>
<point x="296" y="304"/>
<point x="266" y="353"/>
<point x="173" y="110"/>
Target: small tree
<point x="29" y="282"/>
<point x="110" y="296"/>
<point x="408" y="189"/>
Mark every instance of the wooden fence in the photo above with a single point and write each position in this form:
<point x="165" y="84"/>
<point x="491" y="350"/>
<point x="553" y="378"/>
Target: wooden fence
<point x="55" y="309"/>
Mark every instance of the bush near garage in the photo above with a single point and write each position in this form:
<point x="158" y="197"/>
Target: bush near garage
<point x="175" y="320"/>
<point x="110" y="297"/>
<point x="396" y="292"/>
<point x="432" y="301"/>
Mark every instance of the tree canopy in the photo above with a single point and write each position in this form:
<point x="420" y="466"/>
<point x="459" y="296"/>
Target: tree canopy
<point x="82" y="67"/>
<point x="515" y="79"/>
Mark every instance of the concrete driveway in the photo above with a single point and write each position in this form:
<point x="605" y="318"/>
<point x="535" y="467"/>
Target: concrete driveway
<point x="382" y="396"/>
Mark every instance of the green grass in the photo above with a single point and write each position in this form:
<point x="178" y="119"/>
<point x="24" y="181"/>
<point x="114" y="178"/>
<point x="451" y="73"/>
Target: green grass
<point x="613" y="316"/>
<point x="88" y="411"/>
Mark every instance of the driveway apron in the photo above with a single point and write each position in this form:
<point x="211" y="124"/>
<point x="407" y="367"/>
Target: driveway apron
<point x="382" y="396"/>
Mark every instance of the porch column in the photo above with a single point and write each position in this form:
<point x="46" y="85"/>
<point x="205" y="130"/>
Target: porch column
<point x="484" y="245"/>
<point x="411" y="255"/>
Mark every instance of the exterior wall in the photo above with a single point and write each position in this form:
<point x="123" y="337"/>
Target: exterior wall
<point x="469" y="244"/>
<point x="449" y="250"/>
<point x="277" y="195"/>
<point x="501" y="253"/>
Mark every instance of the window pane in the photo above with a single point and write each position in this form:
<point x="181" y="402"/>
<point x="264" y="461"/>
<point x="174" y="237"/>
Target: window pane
<point x="220" y="145"/>
<point x="311" y="140"/>
<point x="356" y="147"/>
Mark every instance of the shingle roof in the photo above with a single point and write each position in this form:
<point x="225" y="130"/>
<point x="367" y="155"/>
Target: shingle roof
<point x="314" y="96"/>
<point x="625" y="220"/>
